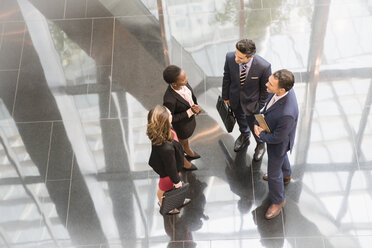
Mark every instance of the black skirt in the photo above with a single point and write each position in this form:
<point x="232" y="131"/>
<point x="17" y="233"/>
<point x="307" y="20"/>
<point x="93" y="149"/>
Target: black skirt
<point x="185" y="128"/>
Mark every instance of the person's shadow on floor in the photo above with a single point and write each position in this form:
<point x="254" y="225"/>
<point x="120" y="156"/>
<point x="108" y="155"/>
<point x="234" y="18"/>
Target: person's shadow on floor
<point x="180" y="227"/>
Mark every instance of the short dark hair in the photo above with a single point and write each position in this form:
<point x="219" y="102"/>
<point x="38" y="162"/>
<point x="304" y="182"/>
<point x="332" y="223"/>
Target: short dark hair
<point x="246" y="46"/>
<point x="285" y="79"/>
<point x="171" y="73"/>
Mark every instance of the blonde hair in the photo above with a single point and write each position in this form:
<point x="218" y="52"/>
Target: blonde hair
<point x="158" y="126"/>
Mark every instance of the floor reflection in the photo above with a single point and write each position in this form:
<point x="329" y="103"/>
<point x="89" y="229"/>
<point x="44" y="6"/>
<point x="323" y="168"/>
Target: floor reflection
<point x="77" y="79"/>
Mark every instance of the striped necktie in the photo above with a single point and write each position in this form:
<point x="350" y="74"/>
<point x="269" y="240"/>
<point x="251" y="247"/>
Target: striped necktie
<point x="243" y="74"/>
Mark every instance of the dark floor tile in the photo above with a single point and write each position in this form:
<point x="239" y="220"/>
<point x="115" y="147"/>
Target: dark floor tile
<point x="96" y="8"/>
<point x="34" y="99"/>
<point x="84" y="220"/>
<point x="75" y="8"/>
<point x="296" y="224"/>
<point x="143" y="28"/>
<point x="127" y="74"/>
<point x="349" y="241"/>
<point x="116" y="8"/>
<point x="46" y="207"/>
<point x="77" y="31"/>
<point x="255" y="4"/>
<point x="273" y="4"/>
<point x="34" y="83"/>
<point x="9" y="11"/>
<point x="58" y="199"/>
<point x="342" y="205"/>
<point x="8" y="85"/>
<point x="36" y="138"/>
<point x="112" y="156"/>
<point x="50" y="9"/>
<point x="310" y="242"/>
<point x="263" y="242"/>
<point x="102" y="41"/>
<point x="113" y="198"/>
<point x="60" y="156"/>
<point x="99" y="88"/>
<point x="158" y="244"/>
<point x="11" y="45"/>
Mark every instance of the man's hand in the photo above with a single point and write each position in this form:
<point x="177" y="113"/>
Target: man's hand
<point x="227" y="102"/>
<point x="257" y="130"/>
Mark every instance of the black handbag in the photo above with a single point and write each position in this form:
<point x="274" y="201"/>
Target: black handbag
<point x="226" y="114"/>
<point x="173" y="198"/>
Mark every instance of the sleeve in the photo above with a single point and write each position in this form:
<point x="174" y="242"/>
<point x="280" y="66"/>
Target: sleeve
<point x="189" y="112"/>
<point x="193" y="95"/>
<point x="263" y="89"/>
<point x="226" y="81"/>
<point x="170" y="165"/>
<point x="280" y="132"/>
<point x="171" y="105"/>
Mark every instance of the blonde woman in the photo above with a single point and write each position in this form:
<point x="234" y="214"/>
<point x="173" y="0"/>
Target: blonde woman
<point x="167" y="156"/>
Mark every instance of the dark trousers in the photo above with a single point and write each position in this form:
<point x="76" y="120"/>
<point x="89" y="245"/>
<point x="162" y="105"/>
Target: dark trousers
<point x="277" y="168"/>
<point x="246" y="123"/>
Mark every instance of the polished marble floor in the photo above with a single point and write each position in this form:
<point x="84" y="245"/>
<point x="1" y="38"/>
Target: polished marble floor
<point x="77" y="78"/>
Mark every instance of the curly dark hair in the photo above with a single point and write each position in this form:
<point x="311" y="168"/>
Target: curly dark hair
<point x="171" y="73"/>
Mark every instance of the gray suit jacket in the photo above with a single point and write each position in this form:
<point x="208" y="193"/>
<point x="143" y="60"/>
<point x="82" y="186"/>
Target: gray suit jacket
<point x="252" y="95"/>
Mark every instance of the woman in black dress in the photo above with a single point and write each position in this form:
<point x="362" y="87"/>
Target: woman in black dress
<point x="182" y="103"/>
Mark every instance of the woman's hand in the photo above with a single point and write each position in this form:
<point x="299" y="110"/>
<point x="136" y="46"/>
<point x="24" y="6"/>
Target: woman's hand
<point x="179" y="184"/>
<point x="196" y="109"/>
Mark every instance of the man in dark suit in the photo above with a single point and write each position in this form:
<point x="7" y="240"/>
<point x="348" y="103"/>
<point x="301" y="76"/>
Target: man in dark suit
<point x="244" y="89"/>
<point x="281" y="114"/>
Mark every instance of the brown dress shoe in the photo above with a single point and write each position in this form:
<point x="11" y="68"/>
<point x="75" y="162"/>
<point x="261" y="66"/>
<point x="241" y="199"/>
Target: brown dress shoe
<point x="286" y="180"/>
<point x="274" y="210"/>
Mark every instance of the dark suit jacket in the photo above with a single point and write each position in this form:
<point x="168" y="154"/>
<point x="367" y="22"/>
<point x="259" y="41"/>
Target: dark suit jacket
<point x="252" y="96"/>
<point x="181" y="123"/>
<point x="167" y="160"/>
<point x="282" y="121"/>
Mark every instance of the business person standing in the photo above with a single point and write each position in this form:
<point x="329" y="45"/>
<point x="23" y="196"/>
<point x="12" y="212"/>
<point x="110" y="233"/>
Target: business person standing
<point x="182" y="103"/>
<point x="244" y="89"/>
<point x="281" y="114"/>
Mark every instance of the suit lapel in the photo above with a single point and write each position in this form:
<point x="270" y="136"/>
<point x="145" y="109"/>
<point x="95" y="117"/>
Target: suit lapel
<point x="267" y="102"/>
<point x="277" y="104"/>
<point x="251" y="69"/>
<point x="178" y="97"/>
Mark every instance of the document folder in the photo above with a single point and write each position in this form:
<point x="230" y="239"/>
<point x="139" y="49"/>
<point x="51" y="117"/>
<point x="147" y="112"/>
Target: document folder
<point x="262" y="122"/>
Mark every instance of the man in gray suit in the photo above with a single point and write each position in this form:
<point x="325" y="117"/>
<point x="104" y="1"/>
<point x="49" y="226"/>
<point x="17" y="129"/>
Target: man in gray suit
<point x="244" y="89"/>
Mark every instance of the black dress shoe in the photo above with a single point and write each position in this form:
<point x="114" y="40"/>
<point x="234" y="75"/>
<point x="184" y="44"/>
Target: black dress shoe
<point x="259" y="151"/>
<point x="241" y="142"/>
<point x="191" y="168"/>
<point x="196" y="156"/>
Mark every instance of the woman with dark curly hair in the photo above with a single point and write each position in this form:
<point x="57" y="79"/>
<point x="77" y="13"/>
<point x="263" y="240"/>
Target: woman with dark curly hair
<point x="182" y="103"/>
<point x="166" y="154"/>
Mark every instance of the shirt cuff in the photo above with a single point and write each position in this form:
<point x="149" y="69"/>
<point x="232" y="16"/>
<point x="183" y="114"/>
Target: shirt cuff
<point x="189" y="112"/>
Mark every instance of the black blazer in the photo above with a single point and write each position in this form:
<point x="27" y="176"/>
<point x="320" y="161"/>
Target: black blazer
<point x="167" y="160"/>
<point x="181" y="123"/>
<point x="252" y="95"/>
